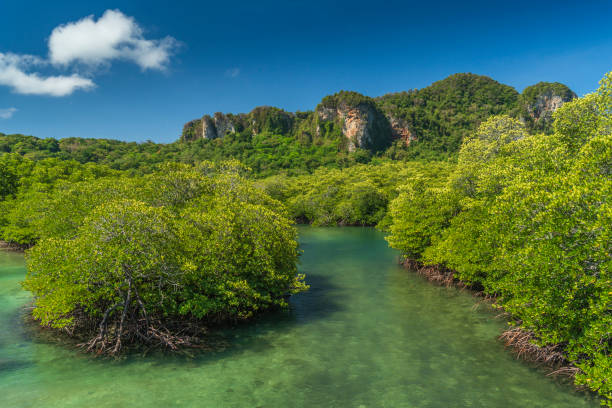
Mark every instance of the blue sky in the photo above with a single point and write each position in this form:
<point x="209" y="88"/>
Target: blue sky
<point x="153" y="65"/>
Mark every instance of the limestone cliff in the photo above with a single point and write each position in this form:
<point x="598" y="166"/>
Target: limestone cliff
<point x="400" y="129"/>
<point x="217" y="126"/>
<point x="360" y="121"/>
<point x="259" y="120"/>
<point x="353" y="118"/>
<point x="209" y="127"/>
<point x="540" y="101"/>
<point x="428" y="122"/>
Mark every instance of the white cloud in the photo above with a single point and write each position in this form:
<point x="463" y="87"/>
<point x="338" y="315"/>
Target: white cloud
<point x="112" y="36"/>
<point x="14" y="74"/>
<point x="7" y="113"/>
<point x="87" y="41"/>
<point x="232" y="72"/>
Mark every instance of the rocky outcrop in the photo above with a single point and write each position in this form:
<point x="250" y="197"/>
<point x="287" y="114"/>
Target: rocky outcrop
<point x="545" y="105"/>
<point x="217" y="126"/>
<point x="259" y="120"/>
<point x="192" y="130"/>
<point x="224" y="124"/>
<point x="356" y="124"/>
<point x="362" y="124"/>
<point x="209" y="130"/>
<point x="400" y="129"/>
<point x="540" y="101"/>
<point x="438" y="116"/>
<point x="348" y="115"/>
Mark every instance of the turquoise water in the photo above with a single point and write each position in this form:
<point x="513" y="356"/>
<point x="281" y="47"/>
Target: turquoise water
<point x="367" y="334"/>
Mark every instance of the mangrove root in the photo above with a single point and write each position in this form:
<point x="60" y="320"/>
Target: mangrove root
<point x="522" y="342"/>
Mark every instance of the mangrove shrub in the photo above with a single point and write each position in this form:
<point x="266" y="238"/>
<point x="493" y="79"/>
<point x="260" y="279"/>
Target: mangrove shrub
<point x="154" y="264"/>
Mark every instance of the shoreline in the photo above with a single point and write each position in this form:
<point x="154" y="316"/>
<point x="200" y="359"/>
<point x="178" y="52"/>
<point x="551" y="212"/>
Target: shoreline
<point x="13" y="247"/>
<point x="517" y="339"/>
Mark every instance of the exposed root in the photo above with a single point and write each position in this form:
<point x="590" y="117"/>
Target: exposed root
<point x="155" y="335"/>
<point x="128" y="323"/>
<point x="522" y="343"/>
<point x="434" y="273"/>
<point x="568" y="371"/>
<point x="12" y="246"/>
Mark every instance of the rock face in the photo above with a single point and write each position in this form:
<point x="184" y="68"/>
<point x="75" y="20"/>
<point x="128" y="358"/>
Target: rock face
<point x="209" y="130"/>
<point x="259" y="120"/>
<point x="545" y="105"/>
<point x="217" y="126"/>
<point x="357" y="127"/>
<point x="352" y="117"/>
<point x="362" y="124"/>
<point x="356" y="124"/>
<point x="541" y="100"/>
<point x="224" y="124"/>
<point x="209" y="127"/>
<point x="400" y="129"/>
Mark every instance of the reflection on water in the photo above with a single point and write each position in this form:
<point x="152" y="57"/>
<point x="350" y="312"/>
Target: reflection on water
<point x="367" y="334"/>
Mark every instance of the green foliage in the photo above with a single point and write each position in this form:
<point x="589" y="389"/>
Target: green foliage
<point x="9" y="174"/>
<point x="124" y="259"/>
<point x="481" y="148"/>
<point x="270" y="140"/>
<point x="268" y="119"/>
<point x="580" y="120"/>
<point x="527" y="218"/>
<point x="158" y="234"/>
<point x="192" y="130"/>
<point x="357" y="195"/>
<point x="265" y="153"/>
<point x="26" y="212"/>
<point x="442" y="114"/>
<point x="418" y="214"/>
<point x="346" y="98"/>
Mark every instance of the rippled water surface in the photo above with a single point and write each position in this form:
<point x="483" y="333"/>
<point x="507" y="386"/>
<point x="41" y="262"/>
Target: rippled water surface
<point x="367" y="334"/>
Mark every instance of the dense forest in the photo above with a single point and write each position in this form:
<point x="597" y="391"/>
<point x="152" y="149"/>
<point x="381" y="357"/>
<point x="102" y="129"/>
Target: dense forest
<point x="506" y="193"/>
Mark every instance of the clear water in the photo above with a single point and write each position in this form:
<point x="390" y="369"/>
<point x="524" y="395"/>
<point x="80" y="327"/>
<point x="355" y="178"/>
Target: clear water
<point x="367" y="334"/>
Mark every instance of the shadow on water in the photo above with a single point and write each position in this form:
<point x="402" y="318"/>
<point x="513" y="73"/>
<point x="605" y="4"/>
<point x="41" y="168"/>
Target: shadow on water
<point x="323" y="299"/>
<point x="15" y="335"/>
<point x="7" y="366"/>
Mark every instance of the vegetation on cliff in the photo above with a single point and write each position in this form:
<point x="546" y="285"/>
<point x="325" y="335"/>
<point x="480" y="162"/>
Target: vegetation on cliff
<point x="345" y="128"/>
<point x="444" y="113"/>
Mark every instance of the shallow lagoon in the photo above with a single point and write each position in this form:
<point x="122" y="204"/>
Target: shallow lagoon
<point x="367" y="334"/>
